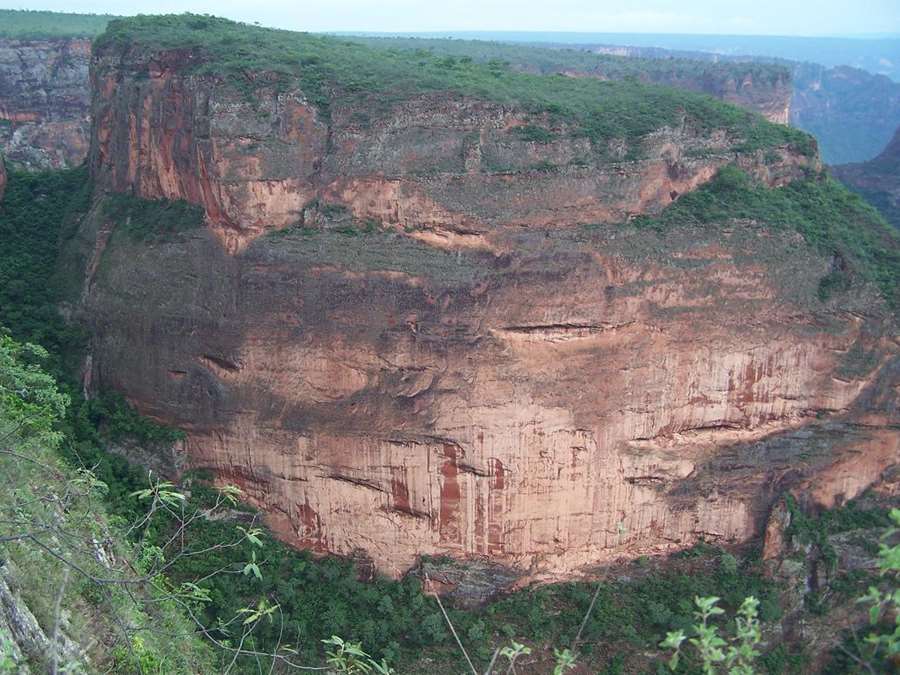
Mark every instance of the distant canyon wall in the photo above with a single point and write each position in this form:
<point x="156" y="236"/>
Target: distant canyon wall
<point x="44" y="102"/>
<point x="770" y="95"/>
<point x="853" y="113"/>
<point x="877" y="180"/>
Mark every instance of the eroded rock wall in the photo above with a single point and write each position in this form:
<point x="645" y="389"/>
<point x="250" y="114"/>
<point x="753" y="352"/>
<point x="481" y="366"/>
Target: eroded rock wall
<point x="398" y="335"/>
<point x="558" y="405"/>
<point x="444" y="165"/>
<point x="45" y="102"/>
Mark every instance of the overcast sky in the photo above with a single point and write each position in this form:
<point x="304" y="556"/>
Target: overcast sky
<point x="753" y="17"/>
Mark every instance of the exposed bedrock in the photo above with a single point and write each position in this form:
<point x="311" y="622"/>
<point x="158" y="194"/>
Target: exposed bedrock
<point x="474" y="373"/>
<point x="45" y="102"/>
<point x="440" y="163"/>
<point x="560" y="405"/>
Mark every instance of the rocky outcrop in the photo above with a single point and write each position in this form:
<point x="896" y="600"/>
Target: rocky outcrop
<point x="44" y="102"/>
<point x="766" y="93"/>
<point x="397" y="335"/>
<point x="878" y="180"/>
<point x="814" y="567"/>
<point x="449" y="167"/>
<point x="27" y="640"/>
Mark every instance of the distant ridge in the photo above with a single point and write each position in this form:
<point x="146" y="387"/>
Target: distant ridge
<point x="879" y="55"/>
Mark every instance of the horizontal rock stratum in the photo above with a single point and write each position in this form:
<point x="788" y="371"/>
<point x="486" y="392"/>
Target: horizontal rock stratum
<point x="418" y="323"/>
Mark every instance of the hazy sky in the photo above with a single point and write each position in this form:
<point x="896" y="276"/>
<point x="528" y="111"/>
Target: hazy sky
<point x="763" y="17"/>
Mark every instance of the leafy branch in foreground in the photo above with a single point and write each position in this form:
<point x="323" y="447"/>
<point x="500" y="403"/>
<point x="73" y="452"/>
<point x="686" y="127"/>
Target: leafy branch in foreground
<point x="349" y="657"/>
<point x="110" y="574"/>
<point x="885" y="603"/>
<point x="736" y="653"/>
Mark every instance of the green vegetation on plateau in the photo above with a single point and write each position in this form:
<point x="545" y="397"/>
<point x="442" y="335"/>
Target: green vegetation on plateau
<point x="36" y="25"/>
<point x="548" y="61"/>
<point x="829" y="216"/>
<point x="333" y="72"/>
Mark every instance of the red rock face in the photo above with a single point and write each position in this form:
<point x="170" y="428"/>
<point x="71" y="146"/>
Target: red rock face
<point x="443" y="165"/>
<point x="45" y="102"/>
<point x="561" y="405"/>
<point x="479" y="375"/>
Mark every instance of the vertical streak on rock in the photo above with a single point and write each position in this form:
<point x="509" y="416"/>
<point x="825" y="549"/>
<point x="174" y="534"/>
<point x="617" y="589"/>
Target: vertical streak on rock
<point x="310" y="526"/>
<point x="450" y="516"/>
<point x="495" y="509"/>
<point x="400" y="489"/>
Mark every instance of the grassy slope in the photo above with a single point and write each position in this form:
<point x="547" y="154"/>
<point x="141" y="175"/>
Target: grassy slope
<point x="51" y="490"/>
<point x="31" y="24"/>
<point x="47" y="495"/>
<point x="334" y="71"/>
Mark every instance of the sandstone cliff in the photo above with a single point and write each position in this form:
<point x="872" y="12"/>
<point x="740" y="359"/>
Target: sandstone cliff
<point x="449" y="166"/>
<point x="878" y="180"/>
<point x="44" y="101"/>
<point x="396" y="334"/>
